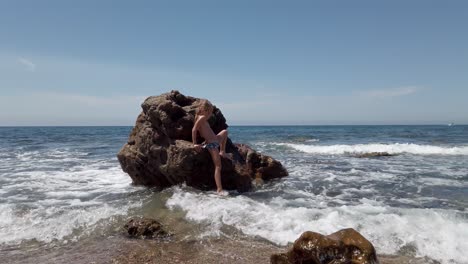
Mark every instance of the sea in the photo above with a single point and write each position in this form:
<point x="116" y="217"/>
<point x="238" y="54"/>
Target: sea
<point x="60" y="186"/>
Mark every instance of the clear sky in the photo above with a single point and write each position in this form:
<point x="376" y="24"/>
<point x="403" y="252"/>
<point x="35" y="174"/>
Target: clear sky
<point x="93" y="62"/>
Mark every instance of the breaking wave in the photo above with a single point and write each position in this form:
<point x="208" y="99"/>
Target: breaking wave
<point x="396" y="148"/>
<point x="438" y="234"/>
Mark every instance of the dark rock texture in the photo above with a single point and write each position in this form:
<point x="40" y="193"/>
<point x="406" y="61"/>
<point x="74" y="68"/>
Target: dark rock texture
<point x="374" y="155"/>
<point x="159" y="151"/>
<point x="346" y="246"/>
<point x="145" y="228"/>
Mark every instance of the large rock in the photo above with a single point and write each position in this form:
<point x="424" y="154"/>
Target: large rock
<point x="346" y="246"/>
<point x="159" y="151"/>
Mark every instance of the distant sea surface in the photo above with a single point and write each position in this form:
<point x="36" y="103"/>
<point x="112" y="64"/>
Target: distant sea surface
<point x="62" y="185"/>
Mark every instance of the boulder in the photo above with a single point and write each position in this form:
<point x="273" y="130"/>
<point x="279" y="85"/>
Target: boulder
<point x="145" y="228"/>
<point x="346" y="246"/>
<point x="160" y="153"/>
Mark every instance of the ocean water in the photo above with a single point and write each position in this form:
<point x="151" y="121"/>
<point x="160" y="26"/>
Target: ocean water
<point x="62" y="185"/>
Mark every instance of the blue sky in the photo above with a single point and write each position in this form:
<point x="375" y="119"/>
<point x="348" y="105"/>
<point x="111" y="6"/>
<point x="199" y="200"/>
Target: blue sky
<point x="262" y="62"/>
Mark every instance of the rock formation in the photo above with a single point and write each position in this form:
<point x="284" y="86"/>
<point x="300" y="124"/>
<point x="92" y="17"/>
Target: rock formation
<point x="159" y="151"/>
<point x="145" y="228"/>
<point x="346" y="246"/>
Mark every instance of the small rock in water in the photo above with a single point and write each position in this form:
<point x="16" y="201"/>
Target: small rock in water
<point x="145" y="228"/>
<point x="374" y="155"/>
<point x="343" y="247"/>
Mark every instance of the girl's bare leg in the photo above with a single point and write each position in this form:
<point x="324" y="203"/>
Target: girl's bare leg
<point x="217" y="163"/>
<point x="222" y="138"/>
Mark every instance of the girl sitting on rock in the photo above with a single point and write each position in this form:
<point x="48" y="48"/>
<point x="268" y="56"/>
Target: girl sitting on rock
<point x="215" y="144"/>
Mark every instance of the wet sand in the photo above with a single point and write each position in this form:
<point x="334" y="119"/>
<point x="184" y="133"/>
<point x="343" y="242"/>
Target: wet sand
<point x="126" y="250"/>
<point x="224" y="251"/>
<point x="185" y="246"/>
<point x="120" y="249"/>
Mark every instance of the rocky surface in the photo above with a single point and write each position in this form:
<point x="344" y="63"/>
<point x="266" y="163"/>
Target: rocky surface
<point x="159" y="151"/>
<point x="346" y="246"/>
<point x="145" y="228"/>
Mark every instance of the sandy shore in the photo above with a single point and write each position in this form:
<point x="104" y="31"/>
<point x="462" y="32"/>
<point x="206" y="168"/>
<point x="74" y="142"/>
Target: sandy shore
<point x="185" y="246"/>
<point x="120" y="249"/>
<point x="223" y="251"/>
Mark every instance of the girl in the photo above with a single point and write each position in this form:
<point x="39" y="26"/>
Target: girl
<point x="215" y="144"/>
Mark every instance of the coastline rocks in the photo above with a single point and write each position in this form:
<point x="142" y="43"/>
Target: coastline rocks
<point x="346" y="246"/>
<point x="145" y="228"/>
<point x="159" y="152"/>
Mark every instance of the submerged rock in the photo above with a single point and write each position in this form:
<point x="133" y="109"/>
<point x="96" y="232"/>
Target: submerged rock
<point x="346" y="246"/>
<point x="374" y="155"/>
<point x="159" y="151"/>
<point x="145" y="228"/>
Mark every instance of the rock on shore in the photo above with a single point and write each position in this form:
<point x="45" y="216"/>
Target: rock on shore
<point x="145" y="228"/>
<point x="159" y="151"/>
<point x="346" y="246"/>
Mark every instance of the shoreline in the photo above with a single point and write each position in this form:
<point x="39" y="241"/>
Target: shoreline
<point x="120" y="249"/>
<point x="189" y="244"/>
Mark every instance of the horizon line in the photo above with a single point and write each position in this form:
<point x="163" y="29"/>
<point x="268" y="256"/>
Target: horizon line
<point x="244" y="125"/>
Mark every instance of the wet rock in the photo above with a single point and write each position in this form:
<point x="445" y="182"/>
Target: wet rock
<point x="145" y="228"/>
<point x="374" y="155"/>
<point x="159" y="151"/>
<point x="346" y="246"/>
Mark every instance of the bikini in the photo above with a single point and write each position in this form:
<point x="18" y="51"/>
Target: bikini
<point x="212" y="145"/>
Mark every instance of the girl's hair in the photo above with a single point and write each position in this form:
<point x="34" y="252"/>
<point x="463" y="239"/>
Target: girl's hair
<point x="203" y="106"/>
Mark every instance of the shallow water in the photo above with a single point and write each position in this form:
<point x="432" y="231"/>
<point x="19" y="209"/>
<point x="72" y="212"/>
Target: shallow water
<point x="63" y="185"/>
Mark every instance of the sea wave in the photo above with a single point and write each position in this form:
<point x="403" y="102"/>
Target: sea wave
<point x="52" y="224"/>
<point x="58" y="205"/>
<point x="438" y="234"/>
<point x="396" y="148"/>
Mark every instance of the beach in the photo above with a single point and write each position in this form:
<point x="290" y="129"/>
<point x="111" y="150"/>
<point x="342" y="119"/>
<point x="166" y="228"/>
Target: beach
<point x="211" y="251"/>
<point x="64" y="197"/>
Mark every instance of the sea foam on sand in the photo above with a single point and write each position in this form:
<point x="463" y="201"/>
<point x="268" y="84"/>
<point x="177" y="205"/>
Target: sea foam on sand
<point x="51" y="205"/>
<point x="438" y="234"/>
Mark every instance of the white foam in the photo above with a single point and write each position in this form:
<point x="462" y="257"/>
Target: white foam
<point x="429" y="181"/>
<point x="53" y="223"/>
<point x="439" y="234"/>
<point x="53" y="204"/>
<point x="396" y="148"/>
